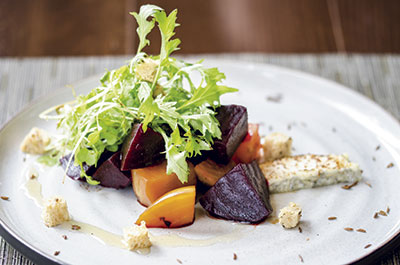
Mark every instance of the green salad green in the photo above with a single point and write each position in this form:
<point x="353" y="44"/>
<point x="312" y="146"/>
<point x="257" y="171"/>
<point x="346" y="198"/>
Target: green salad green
<point x="157" y="91"/>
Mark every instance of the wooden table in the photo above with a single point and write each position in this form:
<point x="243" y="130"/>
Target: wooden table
<point x="24" y="80"/>
<point x="99" y="27"/>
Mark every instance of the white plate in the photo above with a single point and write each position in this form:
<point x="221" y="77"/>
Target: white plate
<point x="321" y="116"/>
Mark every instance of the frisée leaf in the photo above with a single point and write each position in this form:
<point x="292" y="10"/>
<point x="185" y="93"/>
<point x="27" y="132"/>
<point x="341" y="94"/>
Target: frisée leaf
<point x="144" y="26"/>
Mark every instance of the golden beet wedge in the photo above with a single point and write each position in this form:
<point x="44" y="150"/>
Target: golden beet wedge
<point x="150" y="183"/>
<point x="173" y="209"/>
<point x="210" y="172"/>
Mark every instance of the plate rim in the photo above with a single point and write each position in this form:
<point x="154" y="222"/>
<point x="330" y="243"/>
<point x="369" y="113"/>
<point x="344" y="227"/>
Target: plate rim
<point x="41" y="257"/>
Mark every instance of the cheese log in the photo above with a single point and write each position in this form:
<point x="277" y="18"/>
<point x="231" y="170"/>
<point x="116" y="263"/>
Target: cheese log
<point x="309" y="171"/>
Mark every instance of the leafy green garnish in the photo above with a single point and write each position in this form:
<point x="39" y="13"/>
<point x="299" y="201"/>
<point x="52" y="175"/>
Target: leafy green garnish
<point x="157" y="91"/>
<point x="50" y="158"/>
<point x="144" y="26"/>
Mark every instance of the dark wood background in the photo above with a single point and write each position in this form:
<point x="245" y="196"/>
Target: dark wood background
<point x="104" y="27"/>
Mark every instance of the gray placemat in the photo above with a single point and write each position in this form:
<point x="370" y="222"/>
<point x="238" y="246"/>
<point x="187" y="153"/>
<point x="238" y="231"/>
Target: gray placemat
<point x="24" y="80"/>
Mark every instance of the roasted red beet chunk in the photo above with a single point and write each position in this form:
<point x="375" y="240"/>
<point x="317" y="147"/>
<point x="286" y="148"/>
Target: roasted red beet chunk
<point x="241" y="195"/>
<point x="110" y="175"/>
<point x="141" y="149"/>
<point x="233" y="124"/>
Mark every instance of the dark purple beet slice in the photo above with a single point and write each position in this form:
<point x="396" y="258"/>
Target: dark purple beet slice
<point x="74" y="172"/>
<point x="241" y="195"/>
<point x="141" y="149"/>
<point x="110" y="175"/>
<point x="233" y="125"/>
